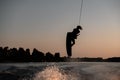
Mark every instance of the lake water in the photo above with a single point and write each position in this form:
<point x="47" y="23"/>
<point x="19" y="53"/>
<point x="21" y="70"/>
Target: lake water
<point x="60" y="71"/>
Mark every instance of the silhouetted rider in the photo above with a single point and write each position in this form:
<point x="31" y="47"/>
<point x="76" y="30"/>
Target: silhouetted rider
<point x="70" y="39"/>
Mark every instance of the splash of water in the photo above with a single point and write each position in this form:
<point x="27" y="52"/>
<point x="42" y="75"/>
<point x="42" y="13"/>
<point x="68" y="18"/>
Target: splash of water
<point x="54" y="73"/>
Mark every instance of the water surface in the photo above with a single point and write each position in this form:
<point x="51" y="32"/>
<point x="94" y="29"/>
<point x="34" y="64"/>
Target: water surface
<point x="60" y="71"/>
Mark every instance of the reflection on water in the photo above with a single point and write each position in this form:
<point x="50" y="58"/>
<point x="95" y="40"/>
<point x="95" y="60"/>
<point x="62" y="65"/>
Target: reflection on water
<point x="54" y="73"/>
<point x="60" y="71"/>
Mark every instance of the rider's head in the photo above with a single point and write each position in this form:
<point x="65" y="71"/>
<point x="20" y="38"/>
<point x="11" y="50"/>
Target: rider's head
<point x="79" y="27"/>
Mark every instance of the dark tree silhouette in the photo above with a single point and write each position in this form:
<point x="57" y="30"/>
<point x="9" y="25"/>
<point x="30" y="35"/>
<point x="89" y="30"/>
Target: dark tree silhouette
<point x="49" y="57"/>
<point x="13" y="54"/>
<point x="5" y="51"/>
<point x="113" y="59"/>
<point x="57" y="57"/>
<point x="1" y="52"/>
<point x="37" y="55"/>
<point x="27" y="52"/>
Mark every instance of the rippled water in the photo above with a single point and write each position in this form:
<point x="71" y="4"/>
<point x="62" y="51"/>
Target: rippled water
<point x="60" y="71"/>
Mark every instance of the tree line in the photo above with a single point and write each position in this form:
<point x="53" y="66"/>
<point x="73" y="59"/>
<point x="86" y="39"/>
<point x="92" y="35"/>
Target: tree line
<point x="23" y="55"/>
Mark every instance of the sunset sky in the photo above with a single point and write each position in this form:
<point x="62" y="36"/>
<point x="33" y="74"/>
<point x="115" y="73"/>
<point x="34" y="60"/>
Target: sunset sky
<point x="43" y="24"/>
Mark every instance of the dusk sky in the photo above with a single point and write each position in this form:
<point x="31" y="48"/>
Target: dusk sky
<point x="43" y="24"/>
